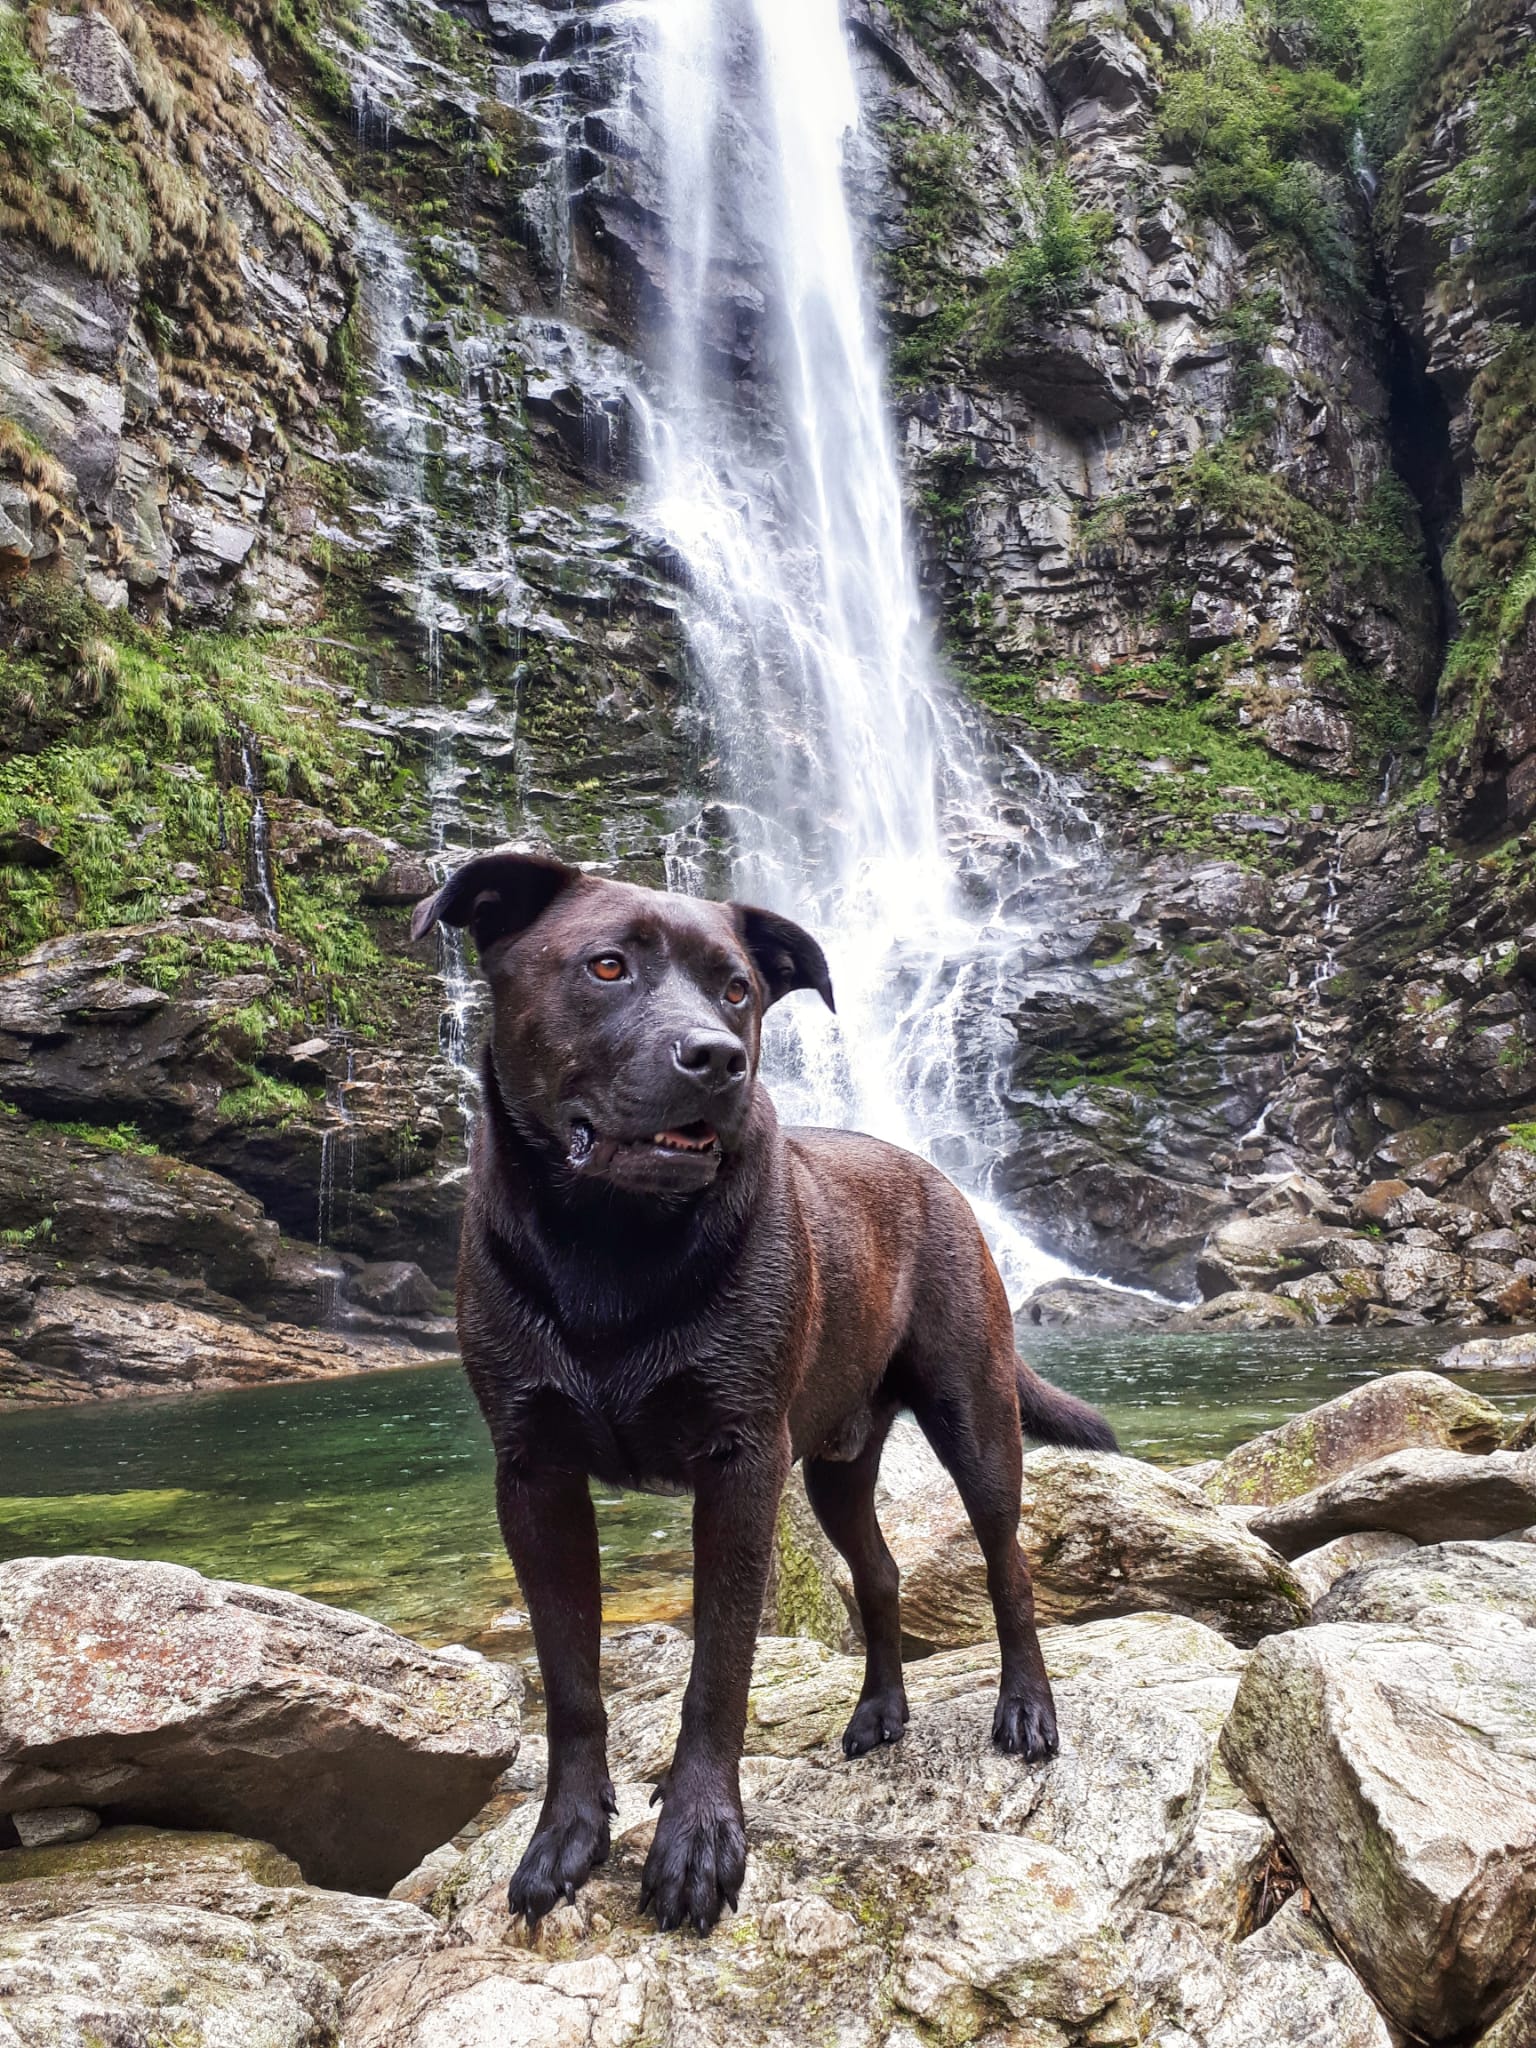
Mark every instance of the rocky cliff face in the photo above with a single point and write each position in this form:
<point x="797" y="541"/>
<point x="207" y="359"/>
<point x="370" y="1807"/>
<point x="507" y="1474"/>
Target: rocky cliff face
<point x="323" y="557"/>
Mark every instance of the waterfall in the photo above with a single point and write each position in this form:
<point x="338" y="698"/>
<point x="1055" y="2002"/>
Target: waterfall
<point x="855" y="791"/>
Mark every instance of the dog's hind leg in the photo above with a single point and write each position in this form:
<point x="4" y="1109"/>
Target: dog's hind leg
<point x="973" y="1425"/>
<point x="843" y="1495"/>
<point x="551" y="1537"/>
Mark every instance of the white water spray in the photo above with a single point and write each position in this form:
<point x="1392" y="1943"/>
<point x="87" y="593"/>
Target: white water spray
<point x="852" y="792"/>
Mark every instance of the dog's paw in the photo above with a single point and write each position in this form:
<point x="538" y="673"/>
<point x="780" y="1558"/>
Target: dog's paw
<point x="569" y="1843"/>
<point x="697" y="1861"/>
<point x="882" y="1718"/>
<point x="1025" y="1725"/>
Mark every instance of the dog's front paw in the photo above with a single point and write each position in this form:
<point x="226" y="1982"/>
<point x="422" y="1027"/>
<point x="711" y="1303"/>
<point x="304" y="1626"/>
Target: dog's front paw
<point x="879" y="1719"/>
<point x="697" y="1859"/>
<point x="1025" y="1725"/>
<point x="568" y="1844"/>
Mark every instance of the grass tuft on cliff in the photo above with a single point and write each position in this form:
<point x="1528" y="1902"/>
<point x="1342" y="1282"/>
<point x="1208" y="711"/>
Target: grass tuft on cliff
<point x="1166" y="736"/>
<point x="122" y="765"/>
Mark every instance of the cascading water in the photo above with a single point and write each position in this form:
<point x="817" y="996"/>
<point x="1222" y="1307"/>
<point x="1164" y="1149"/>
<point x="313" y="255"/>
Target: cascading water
<point x="404" y="423"/>
<point x="261" y="834"/>
<point x="856" y="795"/>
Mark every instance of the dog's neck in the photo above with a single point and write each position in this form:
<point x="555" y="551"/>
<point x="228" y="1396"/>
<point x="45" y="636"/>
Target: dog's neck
<point x="600" y="1260"/>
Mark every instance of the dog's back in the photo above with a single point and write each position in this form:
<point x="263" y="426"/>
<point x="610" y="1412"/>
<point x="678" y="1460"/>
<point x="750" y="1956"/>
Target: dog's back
<point x="904" y="1279"/>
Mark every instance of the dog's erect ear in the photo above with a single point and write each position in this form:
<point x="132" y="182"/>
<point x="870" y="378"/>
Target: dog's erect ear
<point x="785" y="956"/>
<point x="496" y="895"/>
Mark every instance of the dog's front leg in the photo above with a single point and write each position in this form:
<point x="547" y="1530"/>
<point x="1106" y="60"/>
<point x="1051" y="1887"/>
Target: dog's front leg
<point x="699" y="1856"/>
<point x="551" y="1537"/>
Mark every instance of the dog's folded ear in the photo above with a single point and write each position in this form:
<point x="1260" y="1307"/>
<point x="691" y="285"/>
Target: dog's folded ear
<point x="496" y="895"/>
<point x="785" y="956"/>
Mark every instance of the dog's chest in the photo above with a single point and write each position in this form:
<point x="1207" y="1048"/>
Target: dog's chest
<point x="631" y="1430"/>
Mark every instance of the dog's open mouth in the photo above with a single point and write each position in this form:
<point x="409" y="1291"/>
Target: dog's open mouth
<point x="699" y="1139"/>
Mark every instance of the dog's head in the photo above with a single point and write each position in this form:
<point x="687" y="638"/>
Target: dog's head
<point x="626" y="1023"/>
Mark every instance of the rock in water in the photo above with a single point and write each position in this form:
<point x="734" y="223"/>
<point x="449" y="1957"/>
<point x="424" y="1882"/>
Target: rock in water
<point x="151" y="1693"/>
<point x="1492" y="1354"/>
<point x="1399" y="1765"/>
<point x="1500" y="1577"/>
<point x="1394" y="1413"/>
<point x="1432" y="1496"/>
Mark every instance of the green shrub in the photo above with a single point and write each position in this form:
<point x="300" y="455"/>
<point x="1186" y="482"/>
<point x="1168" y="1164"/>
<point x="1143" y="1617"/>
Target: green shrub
<point x="1261" y="139"/>
<point x="1052" y="266"/>
<point x="1402" y="44"/>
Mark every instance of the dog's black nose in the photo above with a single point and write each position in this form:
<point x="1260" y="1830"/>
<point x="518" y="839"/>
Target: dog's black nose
<point x="713" y="1057"/>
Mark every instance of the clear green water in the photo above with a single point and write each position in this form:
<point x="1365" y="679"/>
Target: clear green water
<point x="375" y="1492"/>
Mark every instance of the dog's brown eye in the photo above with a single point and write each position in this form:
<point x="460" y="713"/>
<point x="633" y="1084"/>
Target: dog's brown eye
<point x="606" y="967"/>
<point x="737" y="989"/>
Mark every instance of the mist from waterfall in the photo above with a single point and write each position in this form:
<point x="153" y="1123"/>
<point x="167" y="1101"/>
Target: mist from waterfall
<point x="855" y="789"/>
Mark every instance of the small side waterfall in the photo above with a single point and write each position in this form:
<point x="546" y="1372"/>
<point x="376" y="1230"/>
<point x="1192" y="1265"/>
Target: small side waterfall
<point x="857" y="793"/>
<point x="408" y="426"/>
<point x="261" y="833"/>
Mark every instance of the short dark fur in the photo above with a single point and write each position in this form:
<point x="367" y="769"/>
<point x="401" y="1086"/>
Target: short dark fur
<point x="700" y="1312"/>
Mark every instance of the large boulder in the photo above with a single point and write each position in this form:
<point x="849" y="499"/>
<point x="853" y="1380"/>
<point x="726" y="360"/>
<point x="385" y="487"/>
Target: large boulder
<point x="933" y="1891"/>
<point x="345" y="1933"/>
<point x="149" y="1974"/>
<point x="151" y="1693"/>
<point x="1399" y="1764"/>
<point x="1104" y="1535"/>
<point x="1498" y="1576"/>
<point x="1258" y="1252"/>
<point x="1432" y="1496"/>
<point x="1389" y="1414"/>
<point x="840" y="1935"/>
<point x="802" y="1693"/>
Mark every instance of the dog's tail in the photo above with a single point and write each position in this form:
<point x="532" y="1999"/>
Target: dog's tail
<point x="1052" y="1417"/>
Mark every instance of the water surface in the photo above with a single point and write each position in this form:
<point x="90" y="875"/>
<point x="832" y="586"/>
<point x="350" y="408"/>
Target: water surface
<point x="375" y="1492"/>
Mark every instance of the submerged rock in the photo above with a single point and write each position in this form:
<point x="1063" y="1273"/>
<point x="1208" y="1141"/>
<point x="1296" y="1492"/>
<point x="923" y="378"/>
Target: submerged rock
<point x="1432" y="1496"/>
<point x="151" y="1693"/>
<point x="1388" y="1414"/>
<point x="1399" y="1764"/>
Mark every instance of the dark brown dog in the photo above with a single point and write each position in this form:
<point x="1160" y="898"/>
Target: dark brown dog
<point x="660" y="1287"/>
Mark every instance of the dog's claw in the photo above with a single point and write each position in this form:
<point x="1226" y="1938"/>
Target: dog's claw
<point x="880" y="1719"/>
<point x="696" y="1864"/>
<point x="1026" y="1726"/>
<point x="568" y="1844"/>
